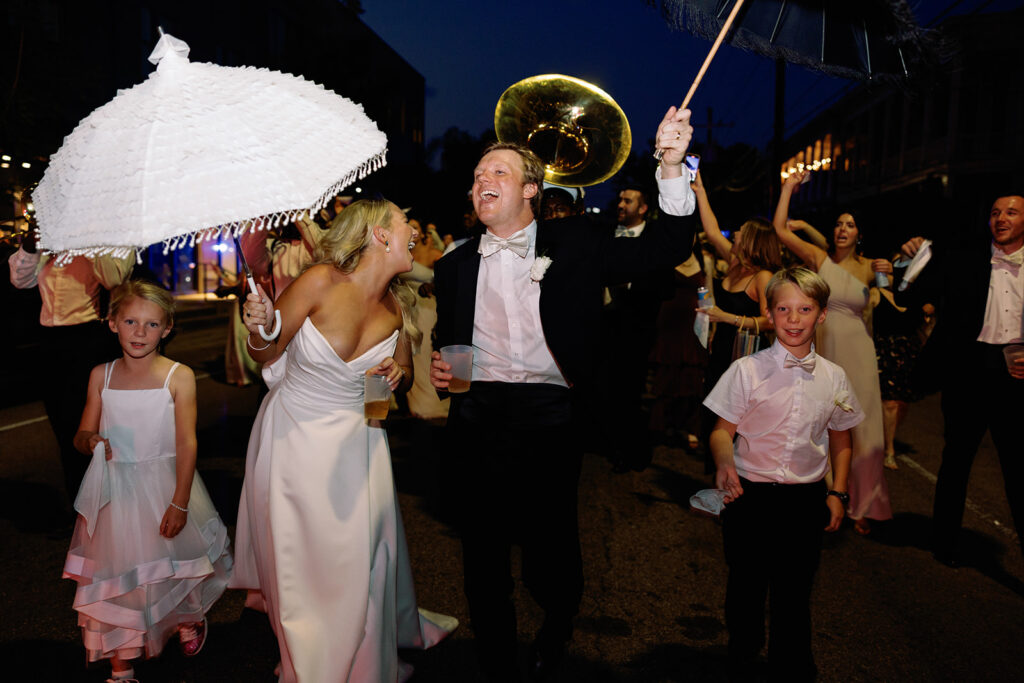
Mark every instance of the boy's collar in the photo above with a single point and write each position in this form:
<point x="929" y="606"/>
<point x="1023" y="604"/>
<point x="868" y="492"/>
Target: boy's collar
<point x="779" y="352"/>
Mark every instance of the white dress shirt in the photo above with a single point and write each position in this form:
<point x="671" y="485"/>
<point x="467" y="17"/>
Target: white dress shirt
<point x="70" y="293"/>
<point x="782" y="415"/>
<point x="1004" y="310"/>
<point x="508" y="338"/>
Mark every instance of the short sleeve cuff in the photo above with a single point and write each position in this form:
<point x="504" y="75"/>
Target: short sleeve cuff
<point x="721" y="410"/>
<point x="842" y="420"/>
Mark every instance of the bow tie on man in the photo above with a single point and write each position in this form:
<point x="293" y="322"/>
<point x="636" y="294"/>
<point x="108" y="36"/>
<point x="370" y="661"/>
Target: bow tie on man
<point x="518" y="244"/>
<point x="807" y="362"/>
<point x="1016" y="258"/>
<point x="623" y="231"/>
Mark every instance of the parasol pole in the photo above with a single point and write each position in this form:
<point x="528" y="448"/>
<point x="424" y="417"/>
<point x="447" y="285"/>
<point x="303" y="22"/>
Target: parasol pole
<point x="252" y="288"/>
<point x="707" y="60"/>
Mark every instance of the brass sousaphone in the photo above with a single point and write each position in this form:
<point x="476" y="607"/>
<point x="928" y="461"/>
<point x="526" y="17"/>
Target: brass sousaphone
<point x="577" y="129"/>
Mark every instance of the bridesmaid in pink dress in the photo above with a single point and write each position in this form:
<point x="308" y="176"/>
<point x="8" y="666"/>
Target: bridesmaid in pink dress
<point x="844" y="339"/>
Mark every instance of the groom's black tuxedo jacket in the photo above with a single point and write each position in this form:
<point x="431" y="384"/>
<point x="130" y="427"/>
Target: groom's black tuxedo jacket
<point x="584" y="259"/>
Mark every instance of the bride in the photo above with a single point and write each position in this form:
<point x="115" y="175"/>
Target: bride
<point x="319" y="529"/>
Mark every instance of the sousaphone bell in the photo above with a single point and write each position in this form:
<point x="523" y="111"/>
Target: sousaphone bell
<point x="576" y="129"/>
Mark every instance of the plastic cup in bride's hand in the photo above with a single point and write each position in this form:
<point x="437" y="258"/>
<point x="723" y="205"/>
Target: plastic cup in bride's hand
<point x="376" y="397"/>
<point x="460" y="357"/>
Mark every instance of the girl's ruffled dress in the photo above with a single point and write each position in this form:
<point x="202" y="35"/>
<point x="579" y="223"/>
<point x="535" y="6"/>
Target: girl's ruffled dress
<point x="135" y="587"/>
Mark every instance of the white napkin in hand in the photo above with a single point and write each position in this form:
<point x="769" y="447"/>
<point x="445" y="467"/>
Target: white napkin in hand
<point x="701" y="325"/>
<point x="921" y="259"/>
<point x="94" y="492"/>
<point x="709" y="501"/>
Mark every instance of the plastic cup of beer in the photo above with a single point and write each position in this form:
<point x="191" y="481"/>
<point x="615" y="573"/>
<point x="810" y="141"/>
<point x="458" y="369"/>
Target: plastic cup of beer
<point x="1012" y="353"/>
<point x="460" y="357"/>
<point x="376" y="397"/>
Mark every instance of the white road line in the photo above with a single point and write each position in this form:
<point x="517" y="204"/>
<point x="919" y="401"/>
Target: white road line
<point x="33" y="420"/>
<point x="23" y="423"/>
<point x="1002" y="528"/>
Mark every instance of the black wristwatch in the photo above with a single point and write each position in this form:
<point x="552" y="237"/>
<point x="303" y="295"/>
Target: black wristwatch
<point x="843" y="497"/>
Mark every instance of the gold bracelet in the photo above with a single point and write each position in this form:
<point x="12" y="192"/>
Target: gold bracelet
<point x="248" y="342"/>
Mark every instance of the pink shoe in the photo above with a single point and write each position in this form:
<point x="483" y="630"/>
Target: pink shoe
<point x="193" y="637"/>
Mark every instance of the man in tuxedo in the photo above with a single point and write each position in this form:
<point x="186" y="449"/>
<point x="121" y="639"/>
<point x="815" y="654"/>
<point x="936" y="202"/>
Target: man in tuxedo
<point x="982" y="313"/>
<point x="630" y="319"/>
<point x="527" y="296"/>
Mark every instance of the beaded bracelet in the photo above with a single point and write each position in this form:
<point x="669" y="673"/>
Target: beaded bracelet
<point x="248" y="342"/>
<point x="178" y="507"/>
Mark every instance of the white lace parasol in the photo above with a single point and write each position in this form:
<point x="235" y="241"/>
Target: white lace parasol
<point x="197" y="149"/>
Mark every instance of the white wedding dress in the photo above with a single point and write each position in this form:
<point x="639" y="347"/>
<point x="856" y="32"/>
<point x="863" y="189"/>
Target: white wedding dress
<point x="319" y="529"/>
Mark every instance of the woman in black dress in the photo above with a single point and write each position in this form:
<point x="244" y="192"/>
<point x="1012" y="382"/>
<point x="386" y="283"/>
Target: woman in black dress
<point x="739" y="297"/>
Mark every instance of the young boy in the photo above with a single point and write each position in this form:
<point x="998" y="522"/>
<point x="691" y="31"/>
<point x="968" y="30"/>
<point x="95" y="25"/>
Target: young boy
<point x="788" y="410"/>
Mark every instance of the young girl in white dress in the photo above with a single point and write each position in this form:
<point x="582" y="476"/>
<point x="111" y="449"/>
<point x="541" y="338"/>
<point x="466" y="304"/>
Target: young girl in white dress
<point x="149" y="552"/>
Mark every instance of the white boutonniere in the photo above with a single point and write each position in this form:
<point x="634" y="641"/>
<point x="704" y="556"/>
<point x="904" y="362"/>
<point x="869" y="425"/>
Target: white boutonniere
<point x="539" y="267"/>
<point x="842" y="400"/>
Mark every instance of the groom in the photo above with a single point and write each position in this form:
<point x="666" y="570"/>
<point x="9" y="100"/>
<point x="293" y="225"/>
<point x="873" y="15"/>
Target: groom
<point x="527" y="296"/>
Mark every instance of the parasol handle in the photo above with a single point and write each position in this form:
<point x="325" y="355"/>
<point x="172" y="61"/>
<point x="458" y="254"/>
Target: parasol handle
<point x="707" y="61"/>
<point x="277" y="316"/>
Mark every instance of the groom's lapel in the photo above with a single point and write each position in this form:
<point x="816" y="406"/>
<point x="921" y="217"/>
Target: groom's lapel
<point x="469" y="269"/>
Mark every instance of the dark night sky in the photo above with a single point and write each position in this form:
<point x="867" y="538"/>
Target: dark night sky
<point x="469" y="52"/>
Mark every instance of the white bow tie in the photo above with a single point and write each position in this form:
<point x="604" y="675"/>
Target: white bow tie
<point x="518" y="244"/>
<point x="623" y="231"/>
<point x="1016" y="258"/>
<point x="807" y="362"/>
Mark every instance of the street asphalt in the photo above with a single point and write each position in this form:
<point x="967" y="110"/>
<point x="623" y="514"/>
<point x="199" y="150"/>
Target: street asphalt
<point x="883" y="609"/>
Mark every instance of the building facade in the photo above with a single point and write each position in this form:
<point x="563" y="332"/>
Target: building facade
<point x="61" y="59"/>
<point x="927" y="157"/>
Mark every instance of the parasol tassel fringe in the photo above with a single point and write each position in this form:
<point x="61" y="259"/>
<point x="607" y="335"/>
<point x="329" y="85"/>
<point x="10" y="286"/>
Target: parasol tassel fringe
<point x="372" y="164"/>
<point x="234" y="228"/>
<point x="63" y="258"/>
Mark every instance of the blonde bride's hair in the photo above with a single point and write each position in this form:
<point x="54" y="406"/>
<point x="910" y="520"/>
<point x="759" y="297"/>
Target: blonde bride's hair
<point x="347" y="238"/>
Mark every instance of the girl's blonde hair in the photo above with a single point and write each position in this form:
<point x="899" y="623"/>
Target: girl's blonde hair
<point x="758" y="245"/>
<point x="142" y="289"/>
<point x="347" y="238"/>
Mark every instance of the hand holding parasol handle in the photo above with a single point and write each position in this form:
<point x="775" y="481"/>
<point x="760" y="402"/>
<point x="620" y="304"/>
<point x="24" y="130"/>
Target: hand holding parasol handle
<point x="707" y="61"/>
<point x="252" y="288"/>
<point x="277" y="314"/>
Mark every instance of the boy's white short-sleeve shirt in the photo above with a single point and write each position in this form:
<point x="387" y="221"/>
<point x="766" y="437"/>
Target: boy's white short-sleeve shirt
<point x="783" y="414"/>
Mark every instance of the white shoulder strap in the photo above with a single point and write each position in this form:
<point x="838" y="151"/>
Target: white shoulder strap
<point x="169" y="373"/>
<point x="107" y="372"/>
